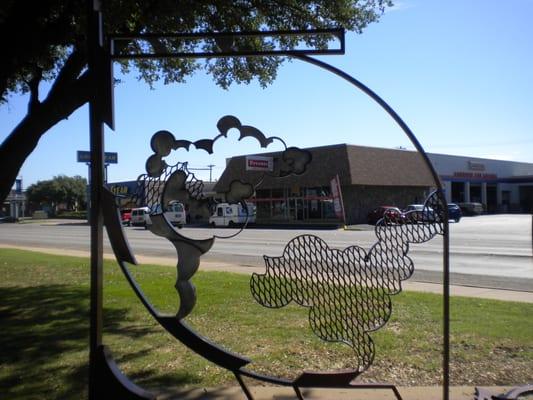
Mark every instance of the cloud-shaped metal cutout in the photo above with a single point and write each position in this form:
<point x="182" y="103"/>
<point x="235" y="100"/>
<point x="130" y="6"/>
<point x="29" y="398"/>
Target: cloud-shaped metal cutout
<point x="295" y="161"/>
<point x="347" y="291"/>
<point x="163" y="142"/>
<point x="344" y="302"/>
<point x="229" y="121"/>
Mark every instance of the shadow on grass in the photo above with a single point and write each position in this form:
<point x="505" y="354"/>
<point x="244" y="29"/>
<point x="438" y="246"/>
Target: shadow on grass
<point x="45" y="339"/>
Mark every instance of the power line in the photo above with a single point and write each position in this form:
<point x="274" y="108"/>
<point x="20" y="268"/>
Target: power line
<point x="209" y="168"/>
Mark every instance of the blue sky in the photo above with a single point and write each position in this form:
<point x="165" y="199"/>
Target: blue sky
<point x="459" y="73"/>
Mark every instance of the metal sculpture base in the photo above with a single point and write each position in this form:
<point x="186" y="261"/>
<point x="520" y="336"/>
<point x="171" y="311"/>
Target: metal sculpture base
<point x="321" y="382"/>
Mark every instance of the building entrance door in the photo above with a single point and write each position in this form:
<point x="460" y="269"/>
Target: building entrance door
<point x="458" y="192"/>
<point x="296" y="209"/>
<point x="526" y="199"/>
<point x="492" y="199"/>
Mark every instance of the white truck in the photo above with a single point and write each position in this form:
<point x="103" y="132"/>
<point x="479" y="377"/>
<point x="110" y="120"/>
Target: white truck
<point x="232" y="215"/>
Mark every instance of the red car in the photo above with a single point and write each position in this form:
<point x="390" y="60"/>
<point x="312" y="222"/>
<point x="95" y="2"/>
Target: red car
<point x="125" y="216"/>
<point x="393" y="213"/>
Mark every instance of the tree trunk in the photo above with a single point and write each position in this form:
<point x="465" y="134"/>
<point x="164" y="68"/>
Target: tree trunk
<point x="24" y="138"/>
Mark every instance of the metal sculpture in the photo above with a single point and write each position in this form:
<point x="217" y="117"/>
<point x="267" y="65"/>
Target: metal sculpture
<point x="347" y="291"/>
<point x="106" y="381"/>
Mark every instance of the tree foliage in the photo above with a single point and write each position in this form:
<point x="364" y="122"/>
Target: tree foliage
<point x="45" y="41"/>
<point x="62" y="189"/>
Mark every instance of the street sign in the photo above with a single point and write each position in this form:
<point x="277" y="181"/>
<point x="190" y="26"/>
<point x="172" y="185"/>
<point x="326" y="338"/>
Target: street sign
<point x="109" y="158"/>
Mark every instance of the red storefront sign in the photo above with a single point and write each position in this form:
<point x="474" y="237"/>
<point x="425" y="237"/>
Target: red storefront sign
<point x="258" y="163"/>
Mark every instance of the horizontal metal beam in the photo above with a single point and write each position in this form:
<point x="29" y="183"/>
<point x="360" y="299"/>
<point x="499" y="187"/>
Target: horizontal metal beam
<point x="337" y="33"/>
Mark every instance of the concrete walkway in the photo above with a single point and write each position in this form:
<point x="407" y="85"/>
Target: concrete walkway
<point x="283" y="393"/>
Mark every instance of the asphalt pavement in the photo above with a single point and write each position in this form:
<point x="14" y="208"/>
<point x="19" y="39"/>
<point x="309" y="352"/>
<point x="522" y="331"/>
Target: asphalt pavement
<point x="493" y="251"/>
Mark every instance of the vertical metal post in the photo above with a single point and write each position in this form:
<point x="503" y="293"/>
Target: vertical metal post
<point x="88" y="192"/>
<point x="94" y="44"/>
<point x="446" y="309"/>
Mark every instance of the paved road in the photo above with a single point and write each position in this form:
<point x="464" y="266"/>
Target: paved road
<point x="486" y="251"/>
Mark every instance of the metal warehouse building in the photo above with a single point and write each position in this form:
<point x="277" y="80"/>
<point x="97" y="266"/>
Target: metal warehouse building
<point x="501" y="186"/>
<point x="370" y="177"/>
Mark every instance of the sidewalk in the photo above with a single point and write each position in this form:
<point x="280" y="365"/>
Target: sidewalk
<point x="455" y="290"/>
<point x="284" y="393"/>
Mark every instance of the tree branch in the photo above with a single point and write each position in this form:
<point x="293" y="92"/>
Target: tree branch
<point x="69" y="73"/>
<point x="33" y="85"/>
<point x="24" y="138"/>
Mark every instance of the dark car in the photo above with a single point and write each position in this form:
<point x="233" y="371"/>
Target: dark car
<point x="454" y="212"/>
<point x="471" y="208"/>
<point x="418" y="213"/>
<point x="393" y="213"/>
<point x="125" y="216"/>
<point x="7" y="218"/>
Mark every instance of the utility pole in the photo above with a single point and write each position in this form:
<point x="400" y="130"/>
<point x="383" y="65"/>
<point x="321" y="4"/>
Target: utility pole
<point x="210" y="166"/>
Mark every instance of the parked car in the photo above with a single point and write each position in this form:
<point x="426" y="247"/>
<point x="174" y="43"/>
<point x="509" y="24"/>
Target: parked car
<point x="125" y="216"/>
<point x="471" y="208"/>
<point x="419" y="213"/>
<point x="454" y="212"/>
<point x="232" y="214"/>
<point x="7" y="218"/>
<point x="140" y="216"/>
<point x="394" y="214"/>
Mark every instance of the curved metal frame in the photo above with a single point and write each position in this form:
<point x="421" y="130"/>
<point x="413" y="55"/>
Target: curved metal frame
<point x="436" y="180"/>
<point x="100" y="360"/>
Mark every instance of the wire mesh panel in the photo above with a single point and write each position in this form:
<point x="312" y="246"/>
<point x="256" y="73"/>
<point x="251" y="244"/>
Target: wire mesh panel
<point x="348" y="291"/>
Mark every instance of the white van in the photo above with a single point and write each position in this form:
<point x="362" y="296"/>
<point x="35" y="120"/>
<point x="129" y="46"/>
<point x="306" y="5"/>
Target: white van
<point x="175" y="214"/>
<point x="140" y="216"/>
<point x="232" y="214"/>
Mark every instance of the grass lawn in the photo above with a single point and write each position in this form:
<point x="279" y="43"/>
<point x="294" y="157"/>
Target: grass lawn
<point x="44" y="303"/>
